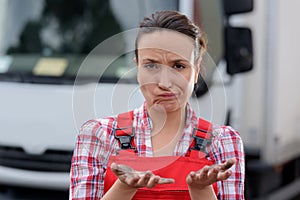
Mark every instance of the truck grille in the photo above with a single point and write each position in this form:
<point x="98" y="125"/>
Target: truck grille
<point x="50" y="160"/>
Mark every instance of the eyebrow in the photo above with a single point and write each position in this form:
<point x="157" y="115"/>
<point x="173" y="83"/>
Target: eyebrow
<point x="150" y="60"/>
<point x="173" y="61"/>
<point x="179" y="60"/>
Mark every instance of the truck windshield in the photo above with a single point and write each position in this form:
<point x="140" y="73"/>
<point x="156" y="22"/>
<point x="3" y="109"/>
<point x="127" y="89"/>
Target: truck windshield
<point x="47" y="41"/>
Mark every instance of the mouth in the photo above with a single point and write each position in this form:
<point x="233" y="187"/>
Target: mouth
<point x="168" y="95"/>
<point x="166" y="99"/>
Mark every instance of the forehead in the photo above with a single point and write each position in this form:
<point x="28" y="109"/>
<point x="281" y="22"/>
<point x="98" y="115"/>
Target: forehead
<point x="168" y="41"/>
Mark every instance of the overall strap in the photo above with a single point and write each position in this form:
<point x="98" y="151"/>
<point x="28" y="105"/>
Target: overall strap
<point x="124" y="131"/>
<point x="202" y="135"/>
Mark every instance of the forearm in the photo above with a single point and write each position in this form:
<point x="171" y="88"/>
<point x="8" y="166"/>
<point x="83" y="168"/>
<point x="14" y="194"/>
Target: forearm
<point x="119" y="191"/>
<point x="207" y="193"/>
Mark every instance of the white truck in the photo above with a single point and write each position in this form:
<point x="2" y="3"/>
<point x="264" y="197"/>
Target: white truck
<point x="44" y="45"/>
<point x="265" y="102"/>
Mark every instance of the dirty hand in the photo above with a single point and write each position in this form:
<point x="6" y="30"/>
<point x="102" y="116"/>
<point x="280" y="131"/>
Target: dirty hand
<point x="138" y="179"/>
<point x="210" y="174"/>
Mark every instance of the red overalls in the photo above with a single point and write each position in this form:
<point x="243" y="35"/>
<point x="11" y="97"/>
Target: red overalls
<point x="176" y="167"/>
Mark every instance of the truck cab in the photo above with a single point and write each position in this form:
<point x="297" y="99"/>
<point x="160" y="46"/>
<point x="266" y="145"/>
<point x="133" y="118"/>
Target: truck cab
<point x="65" y="62"/>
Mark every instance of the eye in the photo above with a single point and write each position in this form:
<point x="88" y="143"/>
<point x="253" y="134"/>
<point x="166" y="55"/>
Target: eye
<point x="179" y="66"/>
<point x="150" y="65"/>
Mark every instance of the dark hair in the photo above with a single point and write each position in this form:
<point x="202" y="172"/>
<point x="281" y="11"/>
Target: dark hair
<point x="172" y="20"/>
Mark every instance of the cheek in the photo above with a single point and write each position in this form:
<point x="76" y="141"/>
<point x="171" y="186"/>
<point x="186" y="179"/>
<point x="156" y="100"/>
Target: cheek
<point x="143" y="77"/>
<point x="145" y="83"/>
<point x="148" y="91"/>
<point x="186" y="81"/>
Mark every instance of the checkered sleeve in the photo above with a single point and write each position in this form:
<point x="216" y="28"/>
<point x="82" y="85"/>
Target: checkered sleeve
<point x="89" y="161"/>
<point x="229" y="145"/>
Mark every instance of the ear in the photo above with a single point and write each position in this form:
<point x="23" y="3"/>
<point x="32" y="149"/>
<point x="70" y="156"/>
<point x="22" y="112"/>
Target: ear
<point x="197" y="70"/>
<point x="135" y="61"/>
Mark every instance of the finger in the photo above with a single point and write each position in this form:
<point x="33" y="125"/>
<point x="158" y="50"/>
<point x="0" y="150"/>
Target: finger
<point x="121" y="168"/>
<point x="190" y="177"/>
<point x="113" y="166"/>
<point x="153" y="181"/>
<point x="132" y="179"/>
<point x="228" y="164"/>
<point x="213" y="174"/>
<point x="203" y="173"/>
<point x="116" y="170"/>
<point x="144" y="178"/>
<point x="224" y="175"/>
<point x="166" y="181"/>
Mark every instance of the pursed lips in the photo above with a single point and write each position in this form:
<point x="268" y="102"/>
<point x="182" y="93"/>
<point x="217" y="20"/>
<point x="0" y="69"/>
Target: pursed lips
<point x="168" y="95"/>
<point x="165" y="97"/>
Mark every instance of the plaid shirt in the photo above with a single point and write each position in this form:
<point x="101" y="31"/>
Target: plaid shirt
<point x="95" y="143"/>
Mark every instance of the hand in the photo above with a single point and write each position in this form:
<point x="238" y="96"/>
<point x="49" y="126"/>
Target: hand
<point x="210" y="174"/>
<point x="137" y="179"/>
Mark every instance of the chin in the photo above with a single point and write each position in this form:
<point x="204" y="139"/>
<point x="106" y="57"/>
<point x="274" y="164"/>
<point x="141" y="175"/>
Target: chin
<point x="168" y="108"/>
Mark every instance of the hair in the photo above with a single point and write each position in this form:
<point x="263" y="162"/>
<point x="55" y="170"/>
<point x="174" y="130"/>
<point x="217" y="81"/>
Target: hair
<point x="175" y="21"/>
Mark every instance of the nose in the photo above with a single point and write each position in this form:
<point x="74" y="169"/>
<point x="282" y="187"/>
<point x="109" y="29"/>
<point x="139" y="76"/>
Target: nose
<point x="165" y="78"/>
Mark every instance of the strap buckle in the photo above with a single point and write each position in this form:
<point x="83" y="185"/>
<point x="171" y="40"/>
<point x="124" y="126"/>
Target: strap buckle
<point x="124" y="138"/>
<point x="202" y="138"/>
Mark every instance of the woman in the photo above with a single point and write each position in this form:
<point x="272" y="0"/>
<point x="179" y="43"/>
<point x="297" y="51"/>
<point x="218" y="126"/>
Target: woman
<point x="160" y="150"/>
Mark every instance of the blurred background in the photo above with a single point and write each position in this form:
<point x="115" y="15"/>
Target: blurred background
<point x="50" y="84"/>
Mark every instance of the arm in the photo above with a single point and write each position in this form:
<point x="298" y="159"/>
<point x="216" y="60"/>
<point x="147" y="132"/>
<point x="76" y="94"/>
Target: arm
<point x="228" y="153"/>
<point x="89" y="161"/>
<point x="206" y="193"/>
<point x="118" y="191"/>
<point x="229" y="146"/>
<point x="200" y="182"/>
<point x="88" y="173"/>
<point x="87" y="170"/>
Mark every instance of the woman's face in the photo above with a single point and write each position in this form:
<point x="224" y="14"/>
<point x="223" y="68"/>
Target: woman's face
<point x="166" y="69"/>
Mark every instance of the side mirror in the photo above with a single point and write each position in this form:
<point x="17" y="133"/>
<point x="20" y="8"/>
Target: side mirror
<point x="238" y="50"/>
<point x="237" y="6"/>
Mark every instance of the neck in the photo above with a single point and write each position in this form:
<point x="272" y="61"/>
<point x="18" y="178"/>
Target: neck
<point x="163" y="120"/>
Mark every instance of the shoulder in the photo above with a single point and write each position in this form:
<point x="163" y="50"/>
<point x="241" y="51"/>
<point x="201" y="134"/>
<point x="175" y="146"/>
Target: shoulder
<point x="227" y="143"/>
<point x="225" y="133"/>
<point x="97" y="127"/>
<point x="103" y="127"/>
